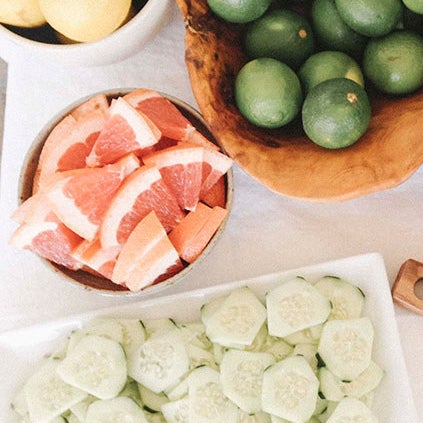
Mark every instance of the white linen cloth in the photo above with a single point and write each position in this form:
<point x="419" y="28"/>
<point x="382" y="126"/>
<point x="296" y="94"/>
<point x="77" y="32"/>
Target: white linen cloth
<point x="266" y="231"/>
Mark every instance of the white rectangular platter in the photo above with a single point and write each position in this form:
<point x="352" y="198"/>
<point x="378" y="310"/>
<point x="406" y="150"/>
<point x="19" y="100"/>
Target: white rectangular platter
<point x="21" y="349"/>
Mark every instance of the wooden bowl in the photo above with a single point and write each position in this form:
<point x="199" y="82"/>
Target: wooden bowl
<point x="89" y="280"/>
<point x="285" y="160"/>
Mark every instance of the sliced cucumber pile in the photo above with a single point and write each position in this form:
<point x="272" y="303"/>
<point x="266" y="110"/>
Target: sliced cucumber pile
<point x="302" y="354"/>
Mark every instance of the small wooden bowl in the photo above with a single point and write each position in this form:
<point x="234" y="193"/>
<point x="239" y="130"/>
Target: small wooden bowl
<point x="285" y="160"/>
<point x="91" y="281"/>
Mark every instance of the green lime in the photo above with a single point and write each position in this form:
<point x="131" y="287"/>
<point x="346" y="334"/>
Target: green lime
<point x="415" y="6"/>
<point x="327" y="65"/>
<point x="332" y="32"/>
<point x="336" y="113"/>
<point x="394" y="63"/>
<point x="372" y="18"/>
<point x="268" y="93"/>
<point x="281" y="34"/>
<point x="239" y="11"/>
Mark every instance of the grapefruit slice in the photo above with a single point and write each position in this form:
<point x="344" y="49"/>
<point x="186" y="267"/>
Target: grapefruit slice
<point x="215" y="164"/>
<point x="101" y="260"/>
<point x="194" y="232"/>
<point x="125" y="131"/>
<point x="68" y="145"/>
<point x="47" y="236"/>
<point x="181" y="168"/>
<point x="143" y="191"/>
<point x="171" y="122"/>
<point x="146" y="255"/>
<point x="81" y="197"/>
<point x="216" y="195"/>
<point x="97" y="103"/>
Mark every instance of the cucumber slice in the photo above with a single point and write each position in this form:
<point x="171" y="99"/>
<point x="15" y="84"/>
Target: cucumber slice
<point x="310" y="335"/>
<point x="131" y="391"/>
<point x="241" y="375"/>
<point x="237" y="320"/>
<point x="308" y="351"/>
<point x="104" y="326"/>
<point x="115" y="410"/>
<point x="208" y="309"/>
<point x="207" y="402"/>
<point x="160" y="361"/>
<point x="331" y="387"/>
<point x="347" y="299"/>
<point x="346" y="346"/>
<point x="178" y="391"/>
<point x="133" y="334"/>
<point x="290" y="390"/>
<point x="158" y="327"/>
<point x="351" y="410"/>
<point x="195" y="334"/>
<point x="199" y="357"/>
<point x="259" y="417"/>
<point x="295" y="305"/>
<point x="19" y="404"/>
<point x="80" y="409"/>
<point x="279" y="349"/>
<point x="47" y="395"/>
<point x="330" y="408"/>
<point x="96" y="365"/>
<point x="364" y="383"/>
<point x="176" y="411"/>
<point x="152" y="402"/>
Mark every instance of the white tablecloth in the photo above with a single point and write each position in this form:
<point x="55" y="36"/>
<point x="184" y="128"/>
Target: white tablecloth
<point x="266" y="232"/>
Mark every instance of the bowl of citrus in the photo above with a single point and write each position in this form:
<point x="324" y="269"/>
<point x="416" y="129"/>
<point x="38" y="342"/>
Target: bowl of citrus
<point x="318" y="100"/>
<point x="82" y="32"/>
<point x="124" y="192"/>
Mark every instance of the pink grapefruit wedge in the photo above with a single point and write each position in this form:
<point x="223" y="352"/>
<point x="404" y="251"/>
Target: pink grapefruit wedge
<point x="143" y="191"/>
<point x="181" y="167"/>
<point x="125" y="131"/>
<point x="81" y="196"/>
<point x="194" y="232"/>
<point x="216" y="195"/>
<point x="97" y="103"/>
<point x="171" y="122"/>
<point x="146" y="255"/>
<point x="68" y="145"/>
<point x="45" y="235"/>
<point x="101" y="260"/>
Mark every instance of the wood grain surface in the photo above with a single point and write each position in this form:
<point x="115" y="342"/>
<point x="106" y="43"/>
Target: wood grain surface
<point x="285" y="160"/>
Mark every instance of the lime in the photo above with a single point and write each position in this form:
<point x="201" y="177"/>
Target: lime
<point x="239" y="11"/>
<point x="281" y="34"/>
<point x="414" y="5"/>
<point x="332" y="32"/>
<point x="372" y="18"/>
<point x="394" y="63"/>
<point x="268" y="93"/>
<point x="336" y="113"/>
<point x="327" y="65"/>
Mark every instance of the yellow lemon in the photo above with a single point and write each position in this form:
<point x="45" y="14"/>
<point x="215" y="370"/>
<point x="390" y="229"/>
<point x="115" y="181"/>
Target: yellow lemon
<point x="85" y="20"/>
<point x="22" y="13"/>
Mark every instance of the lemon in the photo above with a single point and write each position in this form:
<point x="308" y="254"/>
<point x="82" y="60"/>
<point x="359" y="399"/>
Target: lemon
<point x="239" y="11"/>
<point x="336" y="113"/>
<point x="85" y="20"/>
<point x="372" y="18"/>
<point x="327" y="65"/>
<point x="268" y="93"/>
<point x="22" y="13"/>
<point x="281" y="34"/>
<point x="394" y="63"/>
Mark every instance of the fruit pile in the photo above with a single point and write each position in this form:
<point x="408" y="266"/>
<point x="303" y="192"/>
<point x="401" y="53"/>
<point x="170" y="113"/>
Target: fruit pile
<point x="70" y="20"/>
<point x="130" y="190"/>
<point x="319" y="64"/>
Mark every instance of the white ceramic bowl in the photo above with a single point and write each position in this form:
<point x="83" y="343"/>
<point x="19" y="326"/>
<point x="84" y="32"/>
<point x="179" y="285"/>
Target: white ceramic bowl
<point x="122" y="43"/>
<point x="88" y="280"/>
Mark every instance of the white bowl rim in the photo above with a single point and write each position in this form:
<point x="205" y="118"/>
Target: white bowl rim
<point x="142" y="15"/>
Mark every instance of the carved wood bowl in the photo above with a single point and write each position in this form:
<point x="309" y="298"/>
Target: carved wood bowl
<point x="285" y="160"/>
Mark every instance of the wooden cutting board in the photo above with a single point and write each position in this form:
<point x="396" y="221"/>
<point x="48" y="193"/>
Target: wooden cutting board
<point x="285" y="160"/>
